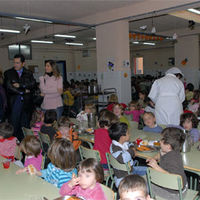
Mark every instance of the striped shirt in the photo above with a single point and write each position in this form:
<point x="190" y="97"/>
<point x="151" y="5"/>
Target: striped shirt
<point x="57" y="176"/>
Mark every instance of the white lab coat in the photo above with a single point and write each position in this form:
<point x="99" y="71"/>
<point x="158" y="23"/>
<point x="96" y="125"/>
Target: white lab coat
<point x="168" y="94"/>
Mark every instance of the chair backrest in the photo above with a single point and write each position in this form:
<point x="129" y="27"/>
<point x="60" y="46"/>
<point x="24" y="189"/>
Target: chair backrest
<point x="89" y="153"/>
<point x="44" y="138"/>
<point x="27" y="131"/>
<point x="166" y="180"/>
<point x="115" y="164"/>
<point x="133" y="125"/>
<point x="163" y="126"/>
<point x="129" y="117"/>
<point x="108" y="192"/>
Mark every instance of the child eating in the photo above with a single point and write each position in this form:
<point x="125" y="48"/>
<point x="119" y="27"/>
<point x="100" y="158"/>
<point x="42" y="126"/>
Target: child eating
<point x="86" y="185"/>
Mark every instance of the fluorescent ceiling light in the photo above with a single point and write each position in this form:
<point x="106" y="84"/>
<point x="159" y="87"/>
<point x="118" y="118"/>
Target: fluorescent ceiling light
<point x="65" y="36"/>
<point x="149" y="43"/>
<point x="42" y="41"/>
<point x="194" y="11"/>
<point x="34" y="20"/>
<point x="9" y="30"/>
<point x="135" y="42"/>
<point x="75" y="44"/>
<point x="94" y="38"/>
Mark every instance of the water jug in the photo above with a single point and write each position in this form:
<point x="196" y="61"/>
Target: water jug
<point x="187" y="143"/>
<point x="91" y="120"/>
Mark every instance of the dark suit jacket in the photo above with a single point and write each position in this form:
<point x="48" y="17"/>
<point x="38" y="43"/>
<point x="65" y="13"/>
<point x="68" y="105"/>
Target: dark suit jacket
<point x="26" y="82"/>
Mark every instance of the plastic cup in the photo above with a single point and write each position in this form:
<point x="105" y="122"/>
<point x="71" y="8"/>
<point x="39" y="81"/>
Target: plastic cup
<point x="6" y="164"/>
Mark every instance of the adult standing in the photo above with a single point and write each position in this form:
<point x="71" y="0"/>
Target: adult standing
<point x="51" y="86"/>
<point x="168" y="95"/>
<point x="20" y="85"/>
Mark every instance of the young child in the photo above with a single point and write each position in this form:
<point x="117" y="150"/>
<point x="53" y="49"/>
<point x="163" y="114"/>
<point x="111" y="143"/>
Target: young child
<point x="133" y="187"/>
<point x="7" y="141"/>
<point x="118" y="110"/>
<point x="50" y="117"/>
<point x="194" y="102"/>
<point x="63" y="161"/>
<point x="37" y="121"/>
<point x="31" y="146"/>
<point x="150" y="123"/>
<point x="112" y="100"/>
<point x="189" y="91"/>
<point x="65" y="130"/>
<point x="123" y="151"/>
<point x="101" y="135"/>
<point x="142" y="98"/>
<point x="134" y="110"/>
<point x="86" y="185"/>
<point x="189" y="122"/>
<point x="89" y="108"/>
<point x="170" y="160"/>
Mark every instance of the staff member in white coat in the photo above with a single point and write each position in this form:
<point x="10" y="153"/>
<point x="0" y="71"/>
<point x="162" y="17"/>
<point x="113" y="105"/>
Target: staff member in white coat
<point x="168" y="95"/>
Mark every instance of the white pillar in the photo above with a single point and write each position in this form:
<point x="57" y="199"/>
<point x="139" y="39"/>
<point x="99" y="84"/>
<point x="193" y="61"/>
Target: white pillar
<point x="188" y="48"/>
<point x="113" y="46"/>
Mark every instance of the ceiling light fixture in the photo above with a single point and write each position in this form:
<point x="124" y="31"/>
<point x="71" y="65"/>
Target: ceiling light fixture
<point x="94" y="38"/>
<point x="42" y="41"/>
<point x="149" y="43"/>
<point x="194" y="11"/>
<point x="153" y="30"/>
<point x="74" y="44"/>
<point x="34" y="20"/>
<point x="9" y="30"/>
<point x="135" y="42"/>
<point x="65" y="36"/>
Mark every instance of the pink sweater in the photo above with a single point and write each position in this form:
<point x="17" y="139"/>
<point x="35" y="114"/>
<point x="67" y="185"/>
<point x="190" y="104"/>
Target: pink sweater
<point x="49" y="87"/>
<point x="35" y="161"/>
<point x="8" y="147"/>
<point x="136" y="114"/>
<point x="89" y="194"/>
<point x="102" y="143"/>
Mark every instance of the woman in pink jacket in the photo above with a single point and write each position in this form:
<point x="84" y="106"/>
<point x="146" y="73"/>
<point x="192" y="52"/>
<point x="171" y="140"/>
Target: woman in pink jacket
<point x="51" y="86"/>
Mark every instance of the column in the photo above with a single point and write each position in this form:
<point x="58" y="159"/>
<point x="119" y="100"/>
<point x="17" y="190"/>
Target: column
<point x="113" y="65"/>
<point x="187" y="58"/>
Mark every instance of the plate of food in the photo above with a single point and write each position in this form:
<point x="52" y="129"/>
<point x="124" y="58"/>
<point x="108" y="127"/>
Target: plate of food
<point x="89" y="130"/>
<point x="144" y="148"/>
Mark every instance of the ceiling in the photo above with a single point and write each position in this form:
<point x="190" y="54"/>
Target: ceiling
<point x="69" y="11"/>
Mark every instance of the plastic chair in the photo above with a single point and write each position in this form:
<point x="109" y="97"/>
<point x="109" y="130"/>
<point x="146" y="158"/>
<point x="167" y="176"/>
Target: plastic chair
<point x="108" y="192"/>
<point x="89" y="153"/>
<point x="169" y="181"/>
<point x="44" y="138"/>
<point x="27" y="131"/>
<point x="114" y="164"/>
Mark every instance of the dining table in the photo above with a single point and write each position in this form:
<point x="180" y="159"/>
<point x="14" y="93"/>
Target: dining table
<point x="191" y="159"/>
<point x="24" y="186"/>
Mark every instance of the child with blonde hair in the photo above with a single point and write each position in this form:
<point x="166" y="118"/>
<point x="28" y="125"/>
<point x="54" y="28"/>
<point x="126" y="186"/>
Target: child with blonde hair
<point x="63" y="162"/>
<point x="87" y="184"/>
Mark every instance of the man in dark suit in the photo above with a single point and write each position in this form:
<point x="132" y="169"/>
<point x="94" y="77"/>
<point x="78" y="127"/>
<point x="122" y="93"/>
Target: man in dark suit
<point x="20" y="84"/>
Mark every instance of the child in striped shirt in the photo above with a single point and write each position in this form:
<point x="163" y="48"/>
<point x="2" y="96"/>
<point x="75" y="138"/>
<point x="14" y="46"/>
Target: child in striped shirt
<point x="62" y="165"/>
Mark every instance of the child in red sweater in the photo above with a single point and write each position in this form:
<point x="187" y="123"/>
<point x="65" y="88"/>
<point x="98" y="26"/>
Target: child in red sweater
<point x="102" y="140"/>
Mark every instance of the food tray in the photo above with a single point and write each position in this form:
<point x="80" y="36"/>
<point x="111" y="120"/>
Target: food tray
<point x="146" y="149"/>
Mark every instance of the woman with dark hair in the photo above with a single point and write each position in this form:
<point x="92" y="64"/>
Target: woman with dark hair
<point x="51" y="86"/>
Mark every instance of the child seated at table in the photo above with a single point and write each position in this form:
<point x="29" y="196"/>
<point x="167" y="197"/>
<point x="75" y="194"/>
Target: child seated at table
<point x="37" y="121"/>
<point x="134" y="110"/>
<point x="50" y="117"/>
<point x="63" y="162"/>
<point x="88" y="108"/>
<point x="150" y="123"/>
<point x="189" y="122"/>
<point x="101" y="135"/>
<point x="31" y="146"/>
<point x="65" y="130"/>
<point x="87" y="184"/>
<point x="7" y="141"/>
<point x="112" y="100"/>
<point x="133" y="187"/>
<point x="170" y="160"/>
<point x="118" y="110"/>
<point x="123" y="151"/>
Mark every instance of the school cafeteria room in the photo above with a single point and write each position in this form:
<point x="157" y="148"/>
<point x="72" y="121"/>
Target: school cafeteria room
<point x="99" y="99"/>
